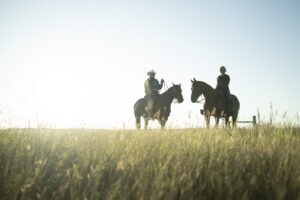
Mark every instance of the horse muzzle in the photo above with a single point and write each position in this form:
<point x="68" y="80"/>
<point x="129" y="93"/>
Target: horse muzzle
<point x="193" y="100"/>
<point x="180" y="99"/>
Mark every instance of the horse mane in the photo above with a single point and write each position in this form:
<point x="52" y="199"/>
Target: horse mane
<point x="206" y="88"/>
<point x="166" y="95"/>
<point x="168" y="90"/>
<point x="205" y="85"/>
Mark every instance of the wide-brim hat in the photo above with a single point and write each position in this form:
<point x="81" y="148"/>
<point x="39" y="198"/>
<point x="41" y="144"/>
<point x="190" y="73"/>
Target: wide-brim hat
<point x="151" y="72"/>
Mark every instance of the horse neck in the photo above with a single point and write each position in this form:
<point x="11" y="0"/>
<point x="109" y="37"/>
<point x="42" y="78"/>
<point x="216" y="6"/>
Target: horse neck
<point x="167" y="96"/>
<point x="207" y="90"/>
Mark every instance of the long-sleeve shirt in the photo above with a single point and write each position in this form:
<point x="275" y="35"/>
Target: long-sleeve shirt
<point x="152" y="85"/>
<point x="223" y="82"/>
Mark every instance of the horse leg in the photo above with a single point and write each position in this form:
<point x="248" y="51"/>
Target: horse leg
<point x="207" y="119"/>
<point x="146" y="122"/>
<point x="234" y="120"/>
<point x="227" y="125"/>
<point x="138" y="122"/>
<point x="162" y="122"/>
<point x="217" y="119"/>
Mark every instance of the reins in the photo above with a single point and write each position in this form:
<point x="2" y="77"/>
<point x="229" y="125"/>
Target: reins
<point x="165" y="86"/>
<point x="201" y="100"/>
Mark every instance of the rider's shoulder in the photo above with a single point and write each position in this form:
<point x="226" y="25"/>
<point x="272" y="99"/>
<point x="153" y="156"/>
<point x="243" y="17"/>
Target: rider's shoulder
<point x="153" y="79"/>
<point x="149" y="79"/>
<point x="223" y="75"/>
<point x="220" y="76"/>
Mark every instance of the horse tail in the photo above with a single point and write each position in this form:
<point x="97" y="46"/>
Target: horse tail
<point x="139" y="110"/>
<point x="235" y="108"/>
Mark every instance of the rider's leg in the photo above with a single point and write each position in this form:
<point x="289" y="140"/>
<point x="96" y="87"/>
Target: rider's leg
<point x="150" y="106"/>
<point x="228" y="101"/>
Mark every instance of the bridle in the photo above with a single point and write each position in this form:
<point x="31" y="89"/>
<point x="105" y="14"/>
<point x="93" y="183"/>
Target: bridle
<point x="201" y="95"/>
<point x="201" y="100"/>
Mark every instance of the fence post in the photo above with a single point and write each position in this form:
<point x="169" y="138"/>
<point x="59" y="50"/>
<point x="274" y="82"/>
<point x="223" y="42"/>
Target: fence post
<point x="254" y="120"/>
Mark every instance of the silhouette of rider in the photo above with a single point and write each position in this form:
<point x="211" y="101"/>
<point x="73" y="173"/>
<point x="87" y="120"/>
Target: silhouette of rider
<point x="152" y="88"/>
<point x="223" y="87"/>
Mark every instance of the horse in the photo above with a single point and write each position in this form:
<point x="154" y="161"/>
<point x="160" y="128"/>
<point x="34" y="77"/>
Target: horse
<point x="214" y="104"/>
<point x="162" y="108"/>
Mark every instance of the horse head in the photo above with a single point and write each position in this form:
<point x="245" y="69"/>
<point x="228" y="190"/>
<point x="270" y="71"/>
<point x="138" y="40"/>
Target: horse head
<point x="177" y="92"/>
<point x="196" y="90"/>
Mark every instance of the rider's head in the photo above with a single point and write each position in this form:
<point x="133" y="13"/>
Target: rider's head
<point x="151" y="73"/>
<point x="222" y="69"/>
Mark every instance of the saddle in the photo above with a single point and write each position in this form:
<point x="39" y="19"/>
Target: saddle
<point x="226" y="103"/>
<point x="153" y="105"/>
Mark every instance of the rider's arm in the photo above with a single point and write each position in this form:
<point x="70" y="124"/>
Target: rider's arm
<point x="155" y="86"/>
<point x="227" y="81"/>
<point x="160" y="86"/>
<point x="219" y="81"/>
<point x="151" y="86"/>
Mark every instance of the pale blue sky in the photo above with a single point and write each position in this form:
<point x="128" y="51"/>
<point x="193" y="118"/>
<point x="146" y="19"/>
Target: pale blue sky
<point x="62" y="62"/>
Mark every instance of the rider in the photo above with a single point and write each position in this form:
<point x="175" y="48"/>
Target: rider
<point x="152" y="88"/>
<point x="222" y="87"/>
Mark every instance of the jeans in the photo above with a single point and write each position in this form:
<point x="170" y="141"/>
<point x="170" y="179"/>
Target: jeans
<point x="229" y="103"/>
<point x="151" y="100"/>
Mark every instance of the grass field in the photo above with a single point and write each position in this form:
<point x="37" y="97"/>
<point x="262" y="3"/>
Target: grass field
<point x="250" y="163"/>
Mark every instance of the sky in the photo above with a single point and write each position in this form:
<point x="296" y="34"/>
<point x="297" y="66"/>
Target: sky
<point x="82" y="64"/>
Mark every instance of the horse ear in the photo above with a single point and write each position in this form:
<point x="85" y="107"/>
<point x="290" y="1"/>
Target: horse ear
<point x="180" y="84"/>
<point x="194" y="79"/>
<point x="173" y="83"/>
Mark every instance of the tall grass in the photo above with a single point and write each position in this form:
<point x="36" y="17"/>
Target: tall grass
<point x="250" y="163"/>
